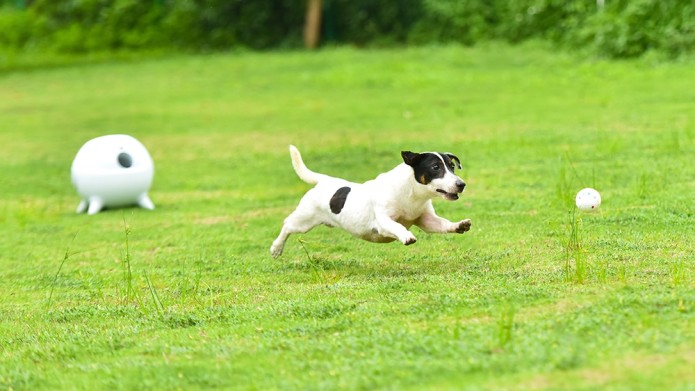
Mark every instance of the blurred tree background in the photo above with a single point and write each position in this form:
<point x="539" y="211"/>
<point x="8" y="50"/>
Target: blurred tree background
<point x="610" y="28"/>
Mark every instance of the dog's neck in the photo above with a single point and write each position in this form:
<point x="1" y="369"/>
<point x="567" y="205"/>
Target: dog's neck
<point x="402" y="179"/>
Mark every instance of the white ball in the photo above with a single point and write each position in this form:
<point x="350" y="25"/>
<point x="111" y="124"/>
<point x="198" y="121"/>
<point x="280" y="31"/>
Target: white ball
<point x="588" y="200"/>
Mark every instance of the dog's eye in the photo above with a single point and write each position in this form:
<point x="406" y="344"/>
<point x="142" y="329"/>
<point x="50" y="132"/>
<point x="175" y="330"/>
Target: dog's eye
<point x="435" y="167"/>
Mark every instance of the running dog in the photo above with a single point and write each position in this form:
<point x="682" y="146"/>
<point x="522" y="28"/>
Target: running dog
<point x="380" y="210"/>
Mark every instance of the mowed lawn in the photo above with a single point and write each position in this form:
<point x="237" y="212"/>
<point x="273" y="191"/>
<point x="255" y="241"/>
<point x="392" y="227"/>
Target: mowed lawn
<point x="187" y="296"/>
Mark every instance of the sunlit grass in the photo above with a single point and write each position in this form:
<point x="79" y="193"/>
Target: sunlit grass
<point x="187" y="296"/>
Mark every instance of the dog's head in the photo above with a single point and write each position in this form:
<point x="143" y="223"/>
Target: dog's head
<point x="436" y="171"/>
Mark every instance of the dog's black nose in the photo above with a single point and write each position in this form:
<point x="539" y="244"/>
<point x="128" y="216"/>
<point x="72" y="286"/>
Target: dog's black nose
<point x="460" y="185"/>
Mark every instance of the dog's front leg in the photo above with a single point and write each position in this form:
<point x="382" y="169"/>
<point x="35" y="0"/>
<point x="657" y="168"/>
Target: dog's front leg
<point x="430" y="222"/>
<point x="391" y="228"/>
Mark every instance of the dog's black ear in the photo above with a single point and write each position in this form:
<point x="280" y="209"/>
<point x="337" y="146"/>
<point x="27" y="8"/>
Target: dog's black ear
<point x="411" y="158"/>
<point x="455" y="159"/>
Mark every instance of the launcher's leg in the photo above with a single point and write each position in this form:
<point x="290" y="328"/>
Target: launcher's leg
<point x="95" y="205"/>
<point x="145" y="202"/>
<point x="82" y="206"/>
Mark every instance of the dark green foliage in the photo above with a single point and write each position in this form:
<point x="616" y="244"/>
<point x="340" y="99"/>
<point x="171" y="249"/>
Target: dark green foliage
<point x="630" y="28"/>
<point x="215" y="24"/>
<point x="621" y="28"/>
<point x="76" y="26"/>
<point x="465" y="21"/>
<point x="364" y="22"/>
<point x="90" y="25"/>
<point x="16" y="27"/>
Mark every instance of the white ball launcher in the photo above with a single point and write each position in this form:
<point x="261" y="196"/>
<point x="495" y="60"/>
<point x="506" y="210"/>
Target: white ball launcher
<point x="112" y="171"/>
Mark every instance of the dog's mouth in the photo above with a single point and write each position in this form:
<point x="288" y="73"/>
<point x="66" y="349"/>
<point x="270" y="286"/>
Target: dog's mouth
<point x="448" y="196"/>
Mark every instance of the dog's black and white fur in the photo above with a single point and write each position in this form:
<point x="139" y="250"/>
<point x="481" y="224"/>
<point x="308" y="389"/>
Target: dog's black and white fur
<point x="380" y="210"/>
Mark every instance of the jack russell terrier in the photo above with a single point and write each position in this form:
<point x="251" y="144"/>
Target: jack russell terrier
<point x="380" y="210"/>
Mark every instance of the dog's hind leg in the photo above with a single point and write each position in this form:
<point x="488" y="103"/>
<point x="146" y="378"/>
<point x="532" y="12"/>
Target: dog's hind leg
<point x="296" y="222"/>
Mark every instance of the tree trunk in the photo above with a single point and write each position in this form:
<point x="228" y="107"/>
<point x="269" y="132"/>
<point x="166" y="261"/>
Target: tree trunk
<point x="312" y="24"/>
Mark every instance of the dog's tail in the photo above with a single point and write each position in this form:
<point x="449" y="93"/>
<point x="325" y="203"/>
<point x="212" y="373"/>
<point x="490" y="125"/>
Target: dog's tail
<point x="301" y="169"/>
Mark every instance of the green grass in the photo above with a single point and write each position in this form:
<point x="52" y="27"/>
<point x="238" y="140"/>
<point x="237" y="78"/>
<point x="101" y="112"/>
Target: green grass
<point x="187" y="296"/>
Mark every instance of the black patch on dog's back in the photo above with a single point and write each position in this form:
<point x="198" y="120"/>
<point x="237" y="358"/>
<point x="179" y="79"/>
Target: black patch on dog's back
<point x="338" y="200"/>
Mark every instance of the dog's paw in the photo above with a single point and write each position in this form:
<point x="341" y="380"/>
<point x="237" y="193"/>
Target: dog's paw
<point x="408" y="240"/>
<point x="464" y="226"/>
<point x="276" y="250"/>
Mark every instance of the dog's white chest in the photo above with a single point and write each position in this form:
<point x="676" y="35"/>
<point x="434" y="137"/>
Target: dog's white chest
<point x="406" y="214"/>
<point x="387" y="206"/>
